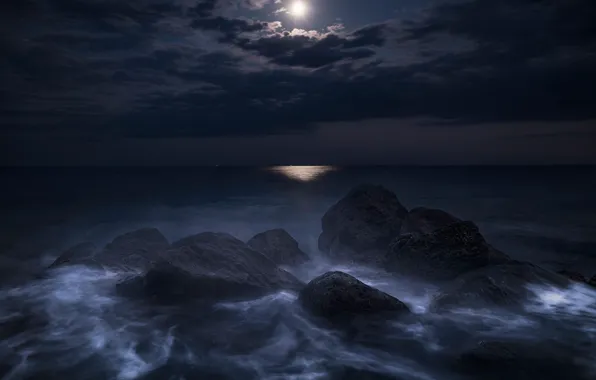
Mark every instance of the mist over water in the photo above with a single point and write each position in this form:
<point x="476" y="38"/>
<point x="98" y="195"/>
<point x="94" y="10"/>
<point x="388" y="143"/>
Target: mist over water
<point x="82" y="330"/>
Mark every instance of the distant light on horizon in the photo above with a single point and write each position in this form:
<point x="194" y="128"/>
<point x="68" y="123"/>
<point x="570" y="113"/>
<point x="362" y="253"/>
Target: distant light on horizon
<point x="302" y="173"/>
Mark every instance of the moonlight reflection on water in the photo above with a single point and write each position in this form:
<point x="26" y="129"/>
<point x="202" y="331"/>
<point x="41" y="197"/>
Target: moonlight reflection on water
<point x="302" y="173"/>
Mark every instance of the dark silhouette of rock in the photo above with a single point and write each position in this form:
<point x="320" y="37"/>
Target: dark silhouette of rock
<point x="134" y="251"/>
<point x="223" y="254"/>
<point x="362" y="224"/>
<point x="519" y="360"/>
<point x="137" y="249"/>
<point x="573" y="276"/>
<point x="279" y="246"/>
<point x="210" y="266"/>
<point x="337" y="294"/>
<point x="592" y="281"/>
<point x="504" y="285"/>
<point x="443" y="254"/>
<point x="426" y="220"/>
<point x="77" y="253"/>
<point x="165" y="283"/>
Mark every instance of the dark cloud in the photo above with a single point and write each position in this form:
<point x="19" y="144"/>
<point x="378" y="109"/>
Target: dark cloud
<point x="314" y="50"/>
<point x="157" y="68"/>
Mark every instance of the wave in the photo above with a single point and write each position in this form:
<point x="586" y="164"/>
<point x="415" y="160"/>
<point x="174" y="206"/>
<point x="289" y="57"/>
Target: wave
<point x="71" y="324"/>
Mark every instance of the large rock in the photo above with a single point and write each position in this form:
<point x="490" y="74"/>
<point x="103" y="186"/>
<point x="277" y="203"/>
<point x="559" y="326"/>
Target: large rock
<point x="424" y="220"/>
<point x="337" y="295"/>
<point x="592" y="281"/>
<point x="211" y="266"/>
<point x="517" y="360"/>
<point x="279" y="246"/>
<point x="165" y="283"/>
<point x="137" y="249"/>
<point x="362" y="224"/>
<point x="443" y="254"/>
<point x="133" y="251"/>
<point x="503" y="285"/>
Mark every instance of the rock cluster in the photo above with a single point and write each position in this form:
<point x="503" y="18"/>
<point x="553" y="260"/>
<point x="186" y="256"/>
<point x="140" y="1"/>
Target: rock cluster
<point x="204" y="266"/>
<point x="368" y="226"/>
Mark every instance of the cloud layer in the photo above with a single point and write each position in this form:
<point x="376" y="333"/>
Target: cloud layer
<point x="176" y="68"/>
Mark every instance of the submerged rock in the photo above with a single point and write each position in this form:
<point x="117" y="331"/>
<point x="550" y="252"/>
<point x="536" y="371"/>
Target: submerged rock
<point x="279" y="246"/>
<point x="210" y="266"/>
<point x="361" y="225"/>
<point x="337" y="294"/>
<point x="503" y="285"/>
<point x="424" y="220"/>
<point x="442" y="254"/>
<point x="521" y="360"/>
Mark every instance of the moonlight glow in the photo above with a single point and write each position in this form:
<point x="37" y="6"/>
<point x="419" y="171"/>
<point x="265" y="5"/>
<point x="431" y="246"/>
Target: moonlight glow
<point x="298" y="9"/>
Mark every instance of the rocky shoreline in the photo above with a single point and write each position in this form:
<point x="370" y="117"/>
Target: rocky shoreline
<point x="368" y="226"/>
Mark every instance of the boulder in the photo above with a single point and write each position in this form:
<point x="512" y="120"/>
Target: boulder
<point x="337" y="295"/>
<point x="504" y="285"/>
<point x="77" y="253"/>
<point x="443" y="254"/>
<point x="424" y="220"/>
<point x="165" y="283"/>
<point x="210" y="266"/>
<point x="362" y="224"/>
<point x="517" y="360"/>
<point x="132" y="251"/>
<point x="592" y="281"/>
<point x="279" y="246"/>
<point x="137" y="249"/>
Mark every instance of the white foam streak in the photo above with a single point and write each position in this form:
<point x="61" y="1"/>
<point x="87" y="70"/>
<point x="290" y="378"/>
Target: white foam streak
<point x="75" y="315"/>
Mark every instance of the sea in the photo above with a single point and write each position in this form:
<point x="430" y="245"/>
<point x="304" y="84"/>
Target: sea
<point x="542" y="214"/>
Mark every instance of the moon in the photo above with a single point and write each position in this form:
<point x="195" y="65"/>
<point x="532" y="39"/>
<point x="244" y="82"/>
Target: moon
<point x="298" y="9"/>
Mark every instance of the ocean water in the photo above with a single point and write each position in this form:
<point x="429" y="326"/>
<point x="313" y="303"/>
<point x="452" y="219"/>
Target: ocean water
<point x="546" y="215"/>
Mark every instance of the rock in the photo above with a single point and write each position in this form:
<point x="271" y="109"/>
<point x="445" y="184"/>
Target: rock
<point x="279" y="246"/>
<point x="592" y="281"/>
<point x="77" y="253"/>
<point x="502" y="285"/>
<point x="573" y="276"/>
<point x="519" y="360"/>
<point x="424" y="220"/>
<point x="132" y="251"/>
<point x="443" y="254"/>
<point x="210" y="266"/>
<point x="137" y="249"/>
<point x="223" y="254"/>
<point x="362" y="223"/>
<point x="168" y="284"/>
<point x="337" y="294"/>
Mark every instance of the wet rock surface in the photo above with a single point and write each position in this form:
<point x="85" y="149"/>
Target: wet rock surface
<point x="210" y="266"/>
<point x="337" y="294"/>
<point x="424" y="220"/>
<point x="443" y="254"/>
<point x="364" y="221"/>
<point x="279" y="246"/>
<point x="132" y="251"/>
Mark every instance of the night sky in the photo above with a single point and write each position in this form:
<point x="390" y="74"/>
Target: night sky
<point x="259" y="82"/>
